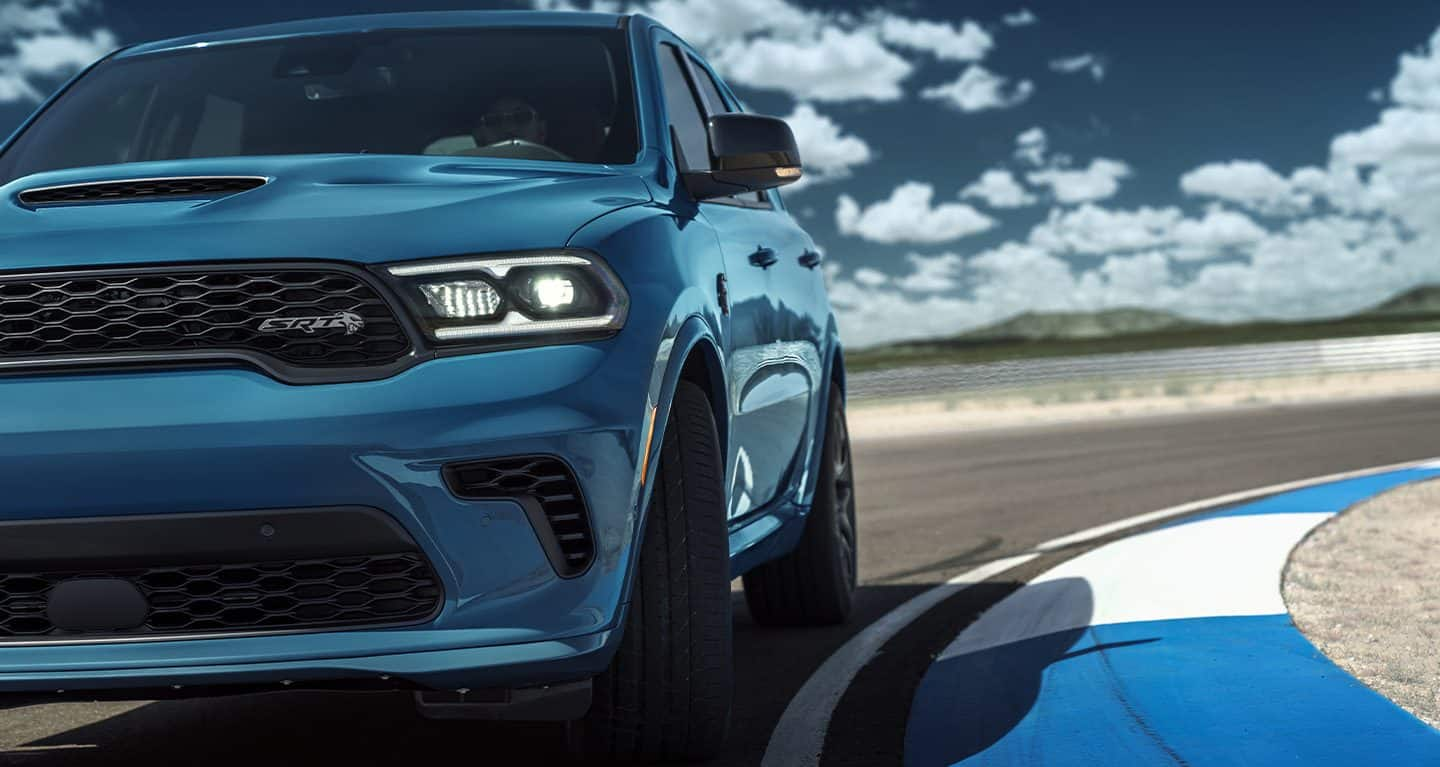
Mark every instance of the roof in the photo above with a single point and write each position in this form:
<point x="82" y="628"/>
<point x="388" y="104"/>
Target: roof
<point x="378" y="21"/>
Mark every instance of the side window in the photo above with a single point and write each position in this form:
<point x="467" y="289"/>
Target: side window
<point x="685" y="117"/>
<point x="709" y="91"/>
<point x="715" y="104"/>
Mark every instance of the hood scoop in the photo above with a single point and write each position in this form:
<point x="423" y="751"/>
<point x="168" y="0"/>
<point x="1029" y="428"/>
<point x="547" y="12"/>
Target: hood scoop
<point x="140" y="189"/>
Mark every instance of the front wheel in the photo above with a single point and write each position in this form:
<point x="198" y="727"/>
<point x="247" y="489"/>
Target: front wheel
<point x="814" y="585"/>
<point x="667" y="693"/>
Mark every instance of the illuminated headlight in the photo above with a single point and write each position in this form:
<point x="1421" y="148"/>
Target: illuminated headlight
<point x="461" y="299"/>
<point x="553" y="292"/>
<point x="564" y="294"/>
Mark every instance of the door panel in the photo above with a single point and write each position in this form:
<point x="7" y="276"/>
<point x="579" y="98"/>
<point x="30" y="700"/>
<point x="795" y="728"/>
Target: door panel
<point x="771" y="335"/>
<point x="772" y="354"/>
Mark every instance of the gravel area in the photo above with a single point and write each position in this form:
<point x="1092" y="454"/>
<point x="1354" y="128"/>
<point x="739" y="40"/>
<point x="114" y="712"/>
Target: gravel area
<point x="1365" y="589"/>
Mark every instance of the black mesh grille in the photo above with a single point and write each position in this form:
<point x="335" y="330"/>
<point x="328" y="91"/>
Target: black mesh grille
<point x="548" y="484"/>
<point x="140" y="189"/>
<point x="316" y="593"/>
<point x="342" y="321"/>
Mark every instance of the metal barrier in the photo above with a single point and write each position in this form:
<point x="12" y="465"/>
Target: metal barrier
<point x="1410" y="351"/>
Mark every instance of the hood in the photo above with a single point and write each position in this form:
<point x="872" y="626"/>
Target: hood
<point x="367" y="209"/>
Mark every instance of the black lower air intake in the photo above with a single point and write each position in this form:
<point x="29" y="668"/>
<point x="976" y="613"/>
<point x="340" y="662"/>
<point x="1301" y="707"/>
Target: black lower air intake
<point x="546" y="488"/>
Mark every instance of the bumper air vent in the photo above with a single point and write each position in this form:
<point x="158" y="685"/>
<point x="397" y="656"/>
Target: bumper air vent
<point x="140" y="189"/>
<point x="546" y="488"/>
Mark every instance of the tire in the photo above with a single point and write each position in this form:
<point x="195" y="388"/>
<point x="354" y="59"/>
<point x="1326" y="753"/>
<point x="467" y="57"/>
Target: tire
<point x="667" y="693"/>
<point x="814" y="585"/>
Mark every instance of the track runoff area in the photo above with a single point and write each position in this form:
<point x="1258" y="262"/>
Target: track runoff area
<point x="1158" y="639"/>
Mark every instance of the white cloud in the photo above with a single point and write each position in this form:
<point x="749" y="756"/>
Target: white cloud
<point x="978" y="89"/>
<point x="932" y="274"/>
<point x="826" y="151"/>
<point x="908" y="217"/>
<point x="1084" y="62"/>
<point x="1099" y="181"/>
<point x="999" y="189"/>
<point x="1247" y="183"/>
<point x="1031" y="145"/>
<point x="870" y="278"/>
<point x="833" y="65"/>
<point x="1399" y="155"/>
<point x="47" y="43"/>
<point x="868" y="316"/>
<point x="1093" y="230"/>
<point x="1322" y="266"/>
<point x="1417" y="84"/>
<point x="968" y="42"/>
<point x="1217" y="231"/>
<point x="1020" y="18"/>
<point x="705" y="22"/>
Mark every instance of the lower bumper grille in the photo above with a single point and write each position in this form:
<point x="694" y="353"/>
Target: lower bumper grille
<point x="159" y="575"/>
<point x="266" y="596"/>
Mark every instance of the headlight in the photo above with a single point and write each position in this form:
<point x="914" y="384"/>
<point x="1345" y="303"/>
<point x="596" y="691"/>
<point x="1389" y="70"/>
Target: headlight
<point x="484" y="298"/>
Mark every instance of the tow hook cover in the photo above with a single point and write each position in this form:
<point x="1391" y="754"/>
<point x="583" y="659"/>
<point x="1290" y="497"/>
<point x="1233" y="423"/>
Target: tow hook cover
<point x="97" y="604"/>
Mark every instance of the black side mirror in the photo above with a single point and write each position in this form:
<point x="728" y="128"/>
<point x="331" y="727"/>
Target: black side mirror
<point x="747" y="153"/>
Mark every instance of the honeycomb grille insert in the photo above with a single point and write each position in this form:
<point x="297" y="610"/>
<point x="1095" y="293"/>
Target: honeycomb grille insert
<point x="549" y="493"/>
<point x="271" y="596"/>
<point x="90" y="314"/>
<point x="140" y="189"/>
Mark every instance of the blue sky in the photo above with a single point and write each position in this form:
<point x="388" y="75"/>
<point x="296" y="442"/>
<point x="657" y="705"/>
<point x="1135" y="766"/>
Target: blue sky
<point x="1226" y="160"/>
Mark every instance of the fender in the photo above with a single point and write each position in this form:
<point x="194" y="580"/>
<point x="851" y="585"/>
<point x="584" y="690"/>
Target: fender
<point x="693" y="332"/>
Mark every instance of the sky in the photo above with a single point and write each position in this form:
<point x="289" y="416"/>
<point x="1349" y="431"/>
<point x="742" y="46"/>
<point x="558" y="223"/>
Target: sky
<point x="969" y="161"/>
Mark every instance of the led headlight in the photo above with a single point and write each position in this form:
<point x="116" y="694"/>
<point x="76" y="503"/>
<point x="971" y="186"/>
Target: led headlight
<point x="484" y="298"/>
<point x="461" y="299"/>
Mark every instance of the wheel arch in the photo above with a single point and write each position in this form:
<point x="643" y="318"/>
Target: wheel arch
<point x="702" y="366"/>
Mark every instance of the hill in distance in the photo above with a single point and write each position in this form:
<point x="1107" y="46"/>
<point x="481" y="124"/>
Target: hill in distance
<point x="1057" y="326"/>
<point x="1051" y="334"/>
<point x="1422" y="300"/>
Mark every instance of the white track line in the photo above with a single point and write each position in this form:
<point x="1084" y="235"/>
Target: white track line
<point x="799" y="736"/>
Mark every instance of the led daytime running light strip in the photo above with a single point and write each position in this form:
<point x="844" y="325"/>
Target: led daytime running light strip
<point x="464" y="332"/>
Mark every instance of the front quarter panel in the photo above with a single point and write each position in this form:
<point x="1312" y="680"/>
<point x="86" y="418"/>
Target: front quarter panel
<point x="668" y="263"/>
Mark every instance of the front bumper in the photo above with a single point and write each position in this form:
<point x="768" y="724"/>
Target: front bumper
<point x="195" y="441"/>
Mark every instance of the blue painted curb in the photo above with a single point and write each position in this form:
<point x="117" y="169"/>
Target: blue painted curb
<point x="1247" y="690"/>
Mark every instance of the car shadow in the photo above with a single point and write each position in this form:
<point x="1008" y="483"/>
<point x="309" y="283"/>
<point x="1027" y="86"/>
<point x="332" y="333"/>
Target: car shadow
<point x="308" y="728"/>
<point x="978" y="692"/>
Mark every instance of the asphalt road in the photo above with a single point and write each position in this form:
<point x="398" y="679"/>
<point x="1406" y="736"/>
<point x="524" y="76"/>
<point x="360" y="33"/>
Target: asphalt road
<point x="930" y="507"/>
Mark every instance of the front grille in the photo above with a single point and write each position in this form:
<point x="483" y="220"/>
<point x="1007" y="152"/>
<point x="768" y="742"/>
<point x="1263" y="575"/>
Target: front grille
<point x="549" y="493"/>
<point x="139" y="189"/>
<point x="304" y="317"/>
<point x="268" y="596"/>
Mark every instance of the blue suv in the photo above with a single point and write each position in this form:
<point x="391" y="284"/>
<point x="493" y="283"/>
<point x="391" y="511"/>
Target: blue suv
<point x="471" y="354"/>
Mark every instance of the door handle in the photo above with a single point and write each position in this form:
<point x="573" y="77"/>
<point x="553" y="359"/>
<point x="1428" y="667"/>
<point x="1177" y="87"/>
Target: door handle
<point x="810" y="259"/>
<point x="763" y="258"/>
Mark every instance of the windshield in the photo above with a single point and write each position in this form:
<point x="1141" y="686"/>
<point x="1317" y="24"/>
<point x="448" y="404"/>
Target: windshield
<point x="562" y="95"/>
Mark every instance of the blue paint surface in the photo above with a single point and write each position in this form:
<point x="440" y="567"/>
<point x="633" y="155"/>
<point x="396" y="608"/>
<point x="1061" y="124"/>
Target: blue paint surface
<point x="1206" y="691"/>
<point x="1333" y="497"/>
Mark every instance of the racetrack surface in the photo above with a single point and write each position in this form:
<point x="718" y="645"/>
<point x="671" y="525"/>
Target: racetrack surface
<point x="930" y="508"/>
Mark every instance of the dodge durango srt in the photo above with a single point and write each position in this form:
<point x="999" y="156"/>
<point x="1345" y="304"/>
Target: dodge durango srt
<point x="466" y="354"/>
